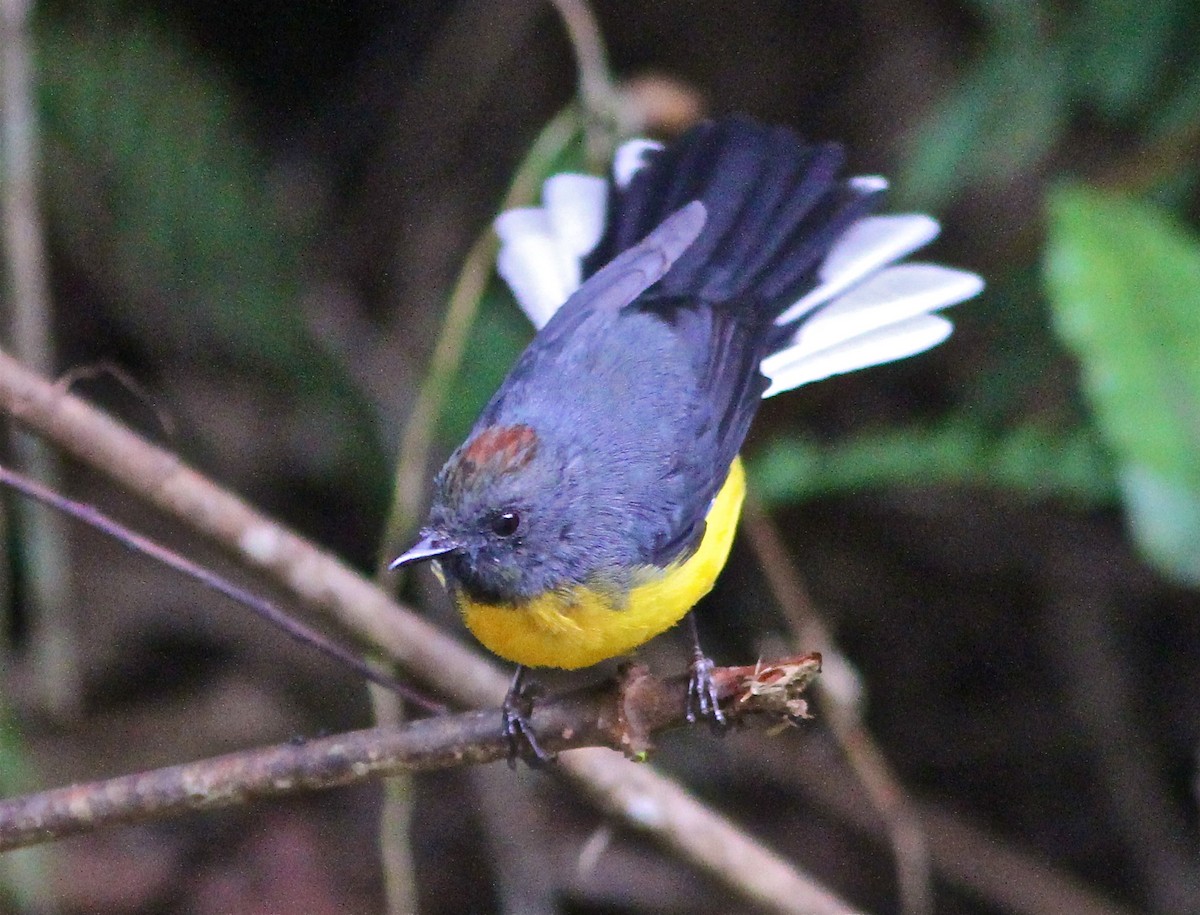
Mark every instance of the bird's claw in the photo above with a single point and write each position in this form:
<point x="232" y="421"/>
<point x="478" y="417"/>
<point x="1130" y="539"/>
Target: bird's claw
<point x="703" y="701"/>
<point x="517" y="727"/>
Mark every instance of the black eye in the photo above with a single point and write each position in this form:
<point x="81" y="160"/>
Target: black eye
<point x="505" y="524"/>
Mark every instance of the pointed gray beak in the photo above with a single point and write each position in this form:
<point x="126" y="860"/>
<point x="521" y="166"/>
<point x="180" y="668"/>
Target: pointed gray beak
<point x="430" y="546"/>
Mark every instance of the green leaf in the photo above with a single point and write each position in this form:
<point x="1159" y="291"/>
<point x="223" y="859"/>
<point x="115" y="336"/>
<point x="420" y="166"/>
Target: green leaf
<point x="1124" y="283"/>
<point x="1031" y="460"/>
<point x="161" y="199"/>
<point x="150" y="175"/>
<point x="1007" y="114"/>
<point x="499" y="334"/>
<point x="1118" y="50"/>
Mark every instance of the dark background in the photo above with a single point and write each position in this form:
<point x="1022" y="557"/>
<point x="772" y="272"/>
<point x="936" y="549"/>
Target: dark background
<point x="256" y="211"/>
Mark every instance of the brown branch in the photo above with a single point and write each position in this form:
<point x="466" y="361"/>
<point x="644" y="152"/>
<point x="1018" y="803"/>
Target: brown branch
<point x="317" y="578"/>
<point x="409" y="486"/>
<point x="313" y="576"/>
<point x="54" y="639"/>
<point x="964" y="854"/>
<point x="976" y="861"/>
<point x="841" y="700"/>
<point x="293" y="628"/>
<point x="623" y="715"/>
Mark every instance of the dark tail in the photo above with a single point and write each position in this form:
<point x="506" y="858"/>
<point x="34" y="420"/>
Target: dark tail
<point x="776" y="206"/>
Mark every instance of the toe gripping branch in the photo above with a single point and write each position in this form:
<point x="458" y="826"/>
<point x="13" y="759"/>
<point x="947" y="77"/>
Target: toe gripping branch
<point x="628" y="713"/>
<point x="703" y="697"/>
<point x="516" y="726"/>
<point x="703" y="703"/>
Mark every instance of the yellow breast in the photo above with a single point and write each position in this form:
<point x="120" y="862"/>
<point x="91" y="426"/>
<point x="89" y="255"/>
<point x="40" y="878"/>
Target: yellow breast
<point x="582" y="626"/>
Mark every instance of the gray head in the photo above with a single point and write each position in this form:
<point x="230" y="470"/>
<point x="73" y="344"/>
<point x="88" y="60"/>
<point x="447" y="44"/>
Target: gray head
<point x="509" y="522"/>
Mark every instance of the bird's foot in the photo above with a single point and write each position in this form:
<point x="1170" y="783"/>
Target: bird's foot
<point x="516" y="725"/>
<point x="703" y="701"/>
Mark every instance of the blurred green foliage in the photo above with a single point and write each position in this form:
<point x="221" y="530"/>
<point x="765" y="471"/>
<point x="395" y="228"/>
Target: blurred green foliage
<point x="1032" y="461"/>
<point x="146" y="165"/>
<point x="150" y="172"/>
<point x="1124" y="280"/>
<point x="500" y="333"/>
<point x="25" y="884"/>
<point x="974" y="134"/>
<point x="501" y="330"/>
<point x="1037" y="69"/>
<point x="1121" y="275"/>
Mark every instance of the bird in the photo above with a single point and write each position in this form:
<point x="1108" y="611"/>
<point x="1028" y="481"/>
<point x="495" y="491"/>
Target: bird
<point x="595" y="499"/>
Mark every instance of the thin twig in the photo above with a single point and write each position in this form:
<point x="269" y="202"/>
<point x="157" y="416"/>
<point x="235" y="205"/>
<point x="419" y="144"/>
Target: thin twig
<point x="1105" y="712"/>
<point x="104" y="368"/>
<point x="397" y="862"/>
<point x="640" y="796"/>
<point x="598" y="99"/>
<point x="53" y="638"/>
<point x="598" y="96"/>
<point x="622" y="714"/>
<point x="293" y="628"/>
<point x="661" y="808"/>
<point x="23" y="229"/>
<point x="410" y="484"/>
<point x="840" y="702"/>
<point x="978" y="862"/>
<point x="415" y="443"/>
<point x="53" y="645"/>
<point x="922" y="837"/>
<point x="410" y="487"/>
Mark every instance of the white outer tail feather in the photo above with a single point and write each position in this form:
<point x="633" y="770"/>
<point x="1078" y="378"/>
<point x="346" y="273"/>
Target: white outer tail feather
<point x="870" y="244"/>
<point x="884" y="344"/>
<point x="542" y="248"/>
<point x="866" y="312"/>
<point x="577" y="206"/>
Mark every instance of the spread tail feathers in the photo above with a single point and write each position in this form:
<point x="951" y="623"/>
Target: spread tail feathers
<point x="785" y="235"/>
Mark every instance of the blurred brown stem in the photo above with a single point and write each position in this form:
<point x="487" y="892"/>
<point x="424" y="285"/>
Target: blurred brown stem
<point x="46" y="568"/>
<point x="598" y="97"/>
<point x="322" y="582"/>
<point x="980" y="862"/>
<point x="411" y="485"/>
<point x="598" y="103"/>
<point x="621" y="714"/>
<point x="293" y="628"/>
<point x="1094" y="674"/>
<point x="913" y="872"/>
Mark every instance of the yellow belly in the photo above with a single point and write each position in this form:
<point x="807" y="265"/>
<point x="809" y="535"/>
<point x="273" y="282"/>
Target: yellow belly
<point x="580" y="627"/>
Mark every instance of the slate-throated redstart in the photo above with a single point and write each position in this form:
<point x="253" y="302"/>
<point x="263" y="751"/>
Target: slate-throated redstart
<point x="595" y="499"/>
